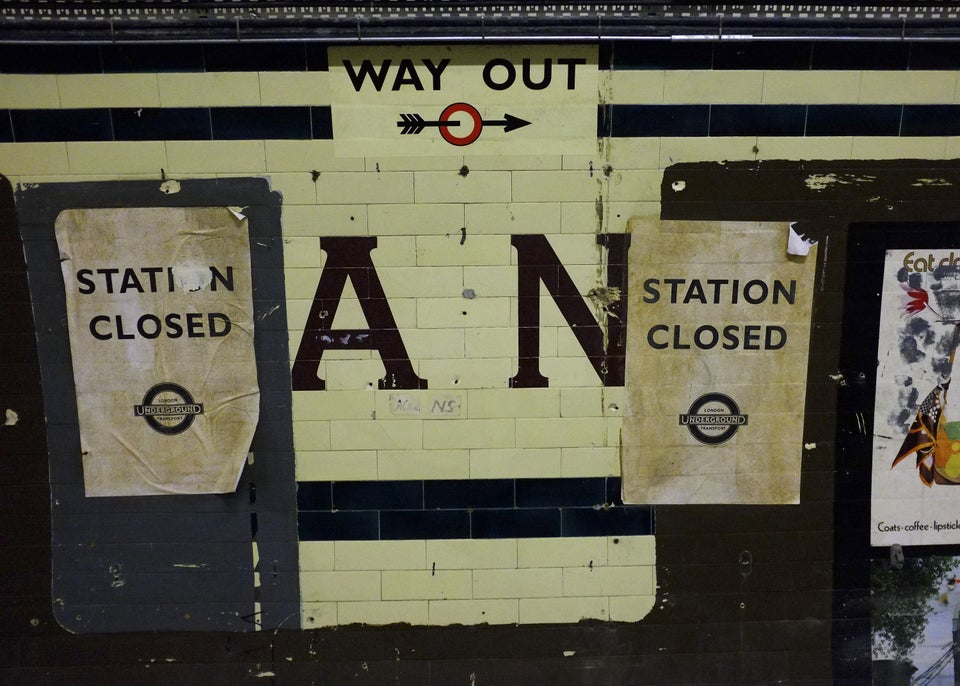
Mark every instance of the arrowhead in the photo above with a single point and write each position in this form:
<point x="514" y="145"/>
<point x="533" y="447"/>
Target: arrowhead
<point x="513" y="123"/>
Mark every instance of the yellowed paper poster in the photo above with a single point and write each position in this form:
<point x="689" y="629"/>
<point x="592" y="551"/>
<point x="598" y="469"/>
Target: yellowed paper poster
<point x="160" y="315"/>
<point x="717" y="349"/>
<point x="464" y="99"/>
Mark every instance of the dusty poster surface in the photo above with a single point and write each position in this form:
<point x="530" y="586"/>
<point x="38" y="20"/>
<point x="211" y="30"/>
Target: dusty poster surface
<point x="716" y="363"/>
<point x="160" y="315"/>
<point x="916" y="432"/>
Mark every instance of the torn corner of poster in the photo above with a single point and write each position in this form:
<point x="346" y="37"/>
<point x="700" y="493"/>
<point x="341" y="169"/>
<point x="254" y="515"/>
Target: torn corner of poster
<point x="797" y="244"/>
<point x="161" y="340"/>
<point x="717" y="345"/>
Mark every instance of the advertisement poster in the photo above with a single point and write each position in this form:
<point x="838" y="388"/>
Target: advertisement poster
<point x="716" y="363"/>
<point x="160" y="316"/>
<point x="916" y="433"/>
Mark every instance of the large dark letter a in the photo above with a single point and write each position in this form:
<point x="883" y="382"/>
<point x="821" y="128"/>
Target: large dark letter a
<point x="349" y="257"/>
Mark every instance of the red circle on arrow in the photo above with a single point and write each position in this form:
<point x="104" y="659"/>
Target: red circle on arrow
<point x="472" y="135"/>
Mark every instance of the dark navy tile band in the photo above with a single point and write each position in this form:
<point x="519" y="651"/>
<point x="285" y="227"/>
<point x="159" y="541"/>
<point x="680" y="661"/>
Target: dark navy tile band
<point x="481" y="508"/>
<point x="624" y="55"/>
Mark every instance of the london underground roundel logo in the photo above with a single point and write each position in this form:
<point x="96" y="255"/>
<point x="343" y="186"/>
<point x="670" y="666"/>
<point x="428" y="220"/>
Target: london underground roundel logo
<point x="713" y="418"/>
<point x="168" y="408"/>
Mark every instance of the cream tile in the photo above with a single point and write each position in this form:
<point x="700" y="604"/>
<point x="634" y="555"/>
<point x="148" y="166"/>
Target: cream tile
<point x="29" y="91"/>
<point x="469" y="433"/>
<point x="29" y="159"/>
<point x="598" y="461"/>
<point x="498" y="553"/>
<point x="453" y="187"/>
<point x="306" y="157"/>
<point x="108" y="90"/>
<point x="383" y="612"/>
<point x="188" y="157"/>
<point x="473" y="612"/>
<point x="316" y="555"/>
<point x="514" y="402"/>
<point x="821" y="87"/>
<point x="562" y="610"/>
<point x="527" y="463"/>
<point x="209" y="89"/>
<point x="557" y="186"/>
<point x="416" y="220"/>
<point x="324" y="220"/>
<point x="713" y="86"/>
<point x="632" y="550"/>
<point x="516" y="583"/>
<point x="608" y="581"/>
<point x="426" y="584"/>
<point x="378" y="435"/>
<point x="908" y="87"/>
<point x="352" y="585"/>
<point x="122" y="157"/>
<point x="317" y="615"/>
<point x="423" y="464"/>
<point x="560" y="433"/>
<point x="364" y="187"/>
<point x="336" y="465"/>
<point x="630" y="608"/>
<point x="294" y="88"/>
<point x="562" y="552"/>
<point x="380" y="555"/>
<point x="512" y="218"/>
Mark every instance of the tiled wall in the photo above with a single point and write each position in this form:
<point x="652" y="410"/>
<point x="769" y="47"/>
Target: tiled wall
<point x="507" y="509"/>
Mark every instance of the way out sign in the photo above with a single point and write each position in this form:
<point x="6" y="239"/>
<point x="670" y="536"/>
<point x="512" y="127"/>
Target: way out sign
<point x="456" y="100"/>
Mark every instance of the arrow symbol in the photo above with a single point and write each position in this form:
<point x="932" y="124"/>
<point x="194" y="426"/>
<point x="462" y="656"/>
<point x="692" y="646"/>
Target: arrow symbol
<point x="414" y="124"/>
<point x="509" y="123"/>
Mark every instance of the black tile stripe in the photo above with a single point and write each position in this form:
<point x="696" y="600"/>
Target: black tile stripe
<point x="624" y="55"/>
<point x="480" y="508"/>
<point x="622" y="121"/>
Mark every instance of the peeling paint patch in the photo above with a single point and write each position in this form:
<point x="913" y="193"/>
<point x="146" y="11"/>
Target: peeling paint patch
<point x="10" y="418"/>
<point x="678" y="186"/>
<point x="931" y="182"/>
<point x="819" y="182"/>
<point x="170" y="187"/>
<point x="809" y="446"/>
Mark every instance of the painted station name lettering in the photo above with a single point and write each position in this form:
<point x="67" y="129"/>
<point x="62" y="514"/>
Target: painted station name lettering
<point x="929" y="262"/>
<point x="717" y="292"/>
<point x="498" y="74"/>
<point x="348" y="257"/>
<point x="123" y="280"/>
